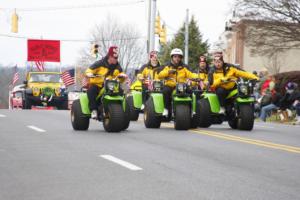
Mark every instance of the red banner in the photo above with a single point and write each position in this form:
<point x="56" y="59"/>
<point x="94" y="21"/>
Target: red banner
<point x="43" y="50"/>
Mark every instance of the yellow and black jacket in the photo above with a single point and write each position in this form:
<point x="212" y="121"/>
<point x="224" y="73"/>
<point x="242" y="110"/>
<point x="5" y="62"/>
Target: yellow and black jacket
<point x="228" y="71"/>
<point x="102" y="67"/>
<point x="149" y="71"/>
<point x="181" y="75"/>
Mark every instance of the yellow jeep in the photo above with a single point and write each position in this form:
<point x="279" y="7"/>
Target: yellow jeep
<point x="45" y="89"/>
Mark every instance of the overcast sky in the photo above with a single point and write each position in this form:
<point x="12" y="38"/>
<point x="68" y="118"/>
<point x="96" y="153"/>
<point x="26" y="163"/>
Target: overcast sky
<point x="78" y="23"/>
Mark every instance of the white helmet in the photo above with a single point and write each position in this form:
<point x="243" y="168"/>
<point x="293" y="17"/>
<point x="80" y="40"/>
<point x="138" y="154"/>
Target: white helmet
<point x="176" y="51"/>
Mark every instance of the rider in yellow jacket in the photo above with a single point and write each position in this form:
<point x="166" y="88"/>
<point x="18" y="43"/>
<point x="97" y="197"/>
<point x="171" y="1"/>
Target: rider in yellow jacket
<point x="221" y="75"/>
<point x="107" y="68"/>
<point x="148" y="72"/>
<point x="202" y="71"/>
<point x="174" y="72"/>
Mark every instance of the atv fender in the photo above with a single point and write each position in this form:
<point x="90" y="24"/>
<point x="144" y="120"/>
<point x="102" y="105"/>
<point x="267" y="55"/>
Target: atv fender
<point x="158" y="101"/>
<point x="84" y="103"/>
<point x="137" y="99"/>
<point x="213" y="102"/>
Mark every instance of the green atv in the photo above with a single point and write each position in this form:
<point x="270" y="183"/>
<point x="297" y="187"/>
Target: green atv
<point x="239" y="107"/>
<point x="135" y="100"/>
<point x="113" y="109"/>
<point x="183" y="107"/>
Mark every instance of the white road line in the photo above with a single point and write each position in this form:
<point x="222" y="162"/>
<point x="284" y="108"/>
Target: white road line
<point x="2" y="115"/>
<point x="121" y="162"/>
<point x="36" y="129"/>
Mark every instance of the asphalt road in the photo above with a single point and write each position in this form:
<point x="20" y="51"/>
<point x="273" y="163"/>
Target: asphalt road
<point x="42" y="158"/>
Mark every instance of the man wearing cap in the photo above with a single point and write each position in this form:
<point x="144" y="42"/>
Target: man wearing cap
<point x="174" y="71"/>
<point x="149" y="71"/>
<point x="221" y="73"/>
<point x="107" y="68"/>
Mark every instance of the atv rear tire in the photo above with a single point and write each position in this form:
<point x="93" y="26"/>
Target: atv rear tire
<point x="205" y="119"/>
<point x="134" y="113"/>
<point x="127" y="116"/>
<point x="182" y="119"/>
<point x="195" y="118"/>
<point x="151" y="120"/>
<point x="78" y="119"/>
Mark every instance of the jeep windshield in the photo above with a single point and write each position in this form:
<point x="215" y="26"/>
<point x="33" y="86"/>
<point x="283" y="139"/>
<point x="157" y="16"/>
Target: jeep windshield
<point x="48" y="78"/>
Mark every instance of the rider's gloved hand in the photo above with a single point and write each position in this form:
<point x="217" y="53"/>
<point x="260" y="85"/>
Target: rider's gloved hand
<point x="89" y="74"/>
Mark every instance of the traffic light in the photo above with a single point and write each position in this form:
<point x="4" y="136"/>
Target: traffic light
<point x="157" y="25"/>
<point x="163" y="35"/>
<point x="14" y="22"/>
<point x="95" y="50"/>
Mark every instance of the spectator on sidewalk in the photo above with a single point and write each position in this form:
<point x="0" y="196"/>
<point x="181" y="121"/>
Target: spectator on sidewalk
<point x="289" y="99"/>
<point x="274" y="105"/>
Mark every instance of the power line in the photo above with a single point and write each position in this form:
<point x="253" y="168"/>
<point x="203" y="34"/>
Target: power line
<point x="75" y="40"/>
<point x="77" y="7"/>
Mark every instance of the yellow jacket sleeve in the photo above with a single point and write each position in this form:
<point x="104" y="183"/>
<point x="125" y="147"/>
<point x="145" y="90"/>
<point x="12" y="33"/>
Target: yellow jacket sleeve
<point x="88" y="70"/>
<point x="164" y="73"/>
<point x="190" y="74"/>
<point x="243" y="74"/>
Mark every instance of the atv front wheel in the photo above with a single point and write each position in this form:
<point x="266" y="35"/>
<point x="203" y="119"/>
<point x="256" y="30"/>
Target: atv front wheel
<point x="182" y="119"/>
<point x="246" y="117"/>
<point x="114" y="118"/>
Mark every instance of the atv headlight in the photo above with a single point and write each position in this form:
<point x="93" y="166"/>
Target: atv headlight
<point x="35" y="91"/>
<point x="181" y="88"/>
<point x="244" y="89"/>
<point x="57" y="91"/>
<point x="112" y="86"/>
<point x="157" y="85"/>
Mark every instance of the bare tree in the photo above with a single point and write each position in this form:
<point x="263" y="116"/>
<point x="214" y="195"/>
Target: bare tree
<point x="132" y="51"/>
<point x="275" y="24"/>
<point x="273" y="63"/>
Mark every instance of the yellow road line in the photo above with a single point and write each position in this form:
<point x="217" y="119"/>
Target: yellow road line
<point x="244" y="140"/>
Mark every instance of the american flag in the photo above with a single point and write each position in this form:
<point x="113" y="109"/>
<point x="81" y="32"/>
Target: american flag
<point x="68" y="77"/>
<point x="16" y="76"/>
<point x="40" y="65"/>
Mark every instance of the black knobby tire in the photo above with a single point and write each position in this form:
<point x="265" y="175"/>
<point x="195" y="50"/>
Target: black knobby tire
<point x="246" y="117"/>
<point x="134" y="113"/>
<point x="151" y="120"/>
<point x="205" y="119"/>
<point x="78" y="119"/>
<point x="233" y="123"/>
<point x="114" y="118"/>
<point x="182" y="119"/>
<point x="27" y="103"/>
<point x="195" y="118"/>
<point x="127" y="116"/>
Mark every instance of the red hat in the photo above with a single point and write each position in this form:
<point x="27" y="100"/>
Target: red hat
<point x="202" y="59"/>
<point x="152" y="54"/>
<point x="113" y="51"/>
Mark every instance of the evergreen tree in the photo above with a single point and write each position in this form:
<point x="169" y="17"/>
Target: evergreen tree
<point x="196" y="46"/>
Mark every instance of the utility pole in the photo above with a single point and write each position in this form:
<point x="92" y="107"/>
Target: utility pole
<point x="152" y="30"/>
<point x="149" y="25"/>
<point x="186" y="41"/>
